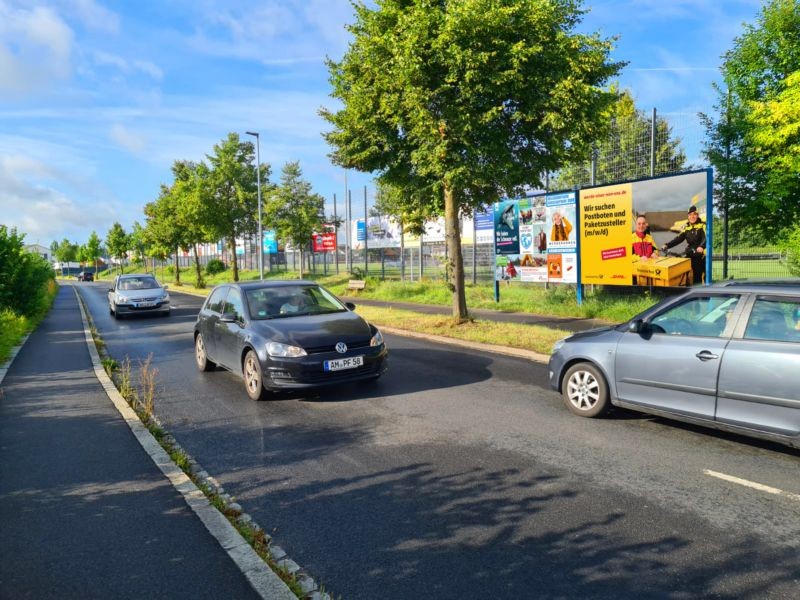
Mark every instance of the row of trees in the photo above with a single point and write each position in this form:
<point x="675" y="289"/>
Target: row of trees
<point x="218" y="200"/>
<point x="88" y="253"/>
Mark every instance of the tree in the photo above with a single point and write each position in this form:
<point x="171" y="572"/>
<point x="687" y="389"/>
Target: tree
<point x="92" y="249"/>
<point x="138" y="243"/>
<point x="118" y="243"/>
<point x="625" y="152"/>
<point x="24" y="276"/>
<point x="163" y="232"/>
<point x="230" y="196"/>
<point x="293" y="210"/>
<point x="752" y="181"/>
<point x="66" y="252"/>
<point x="457" y="103"/>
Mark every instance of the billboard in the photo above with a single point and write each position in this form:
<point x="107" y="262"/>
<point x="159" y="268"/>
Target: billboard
<point x="611" y="250"/>
<point x="560" y="238"/>
<point x="325" y="241"/>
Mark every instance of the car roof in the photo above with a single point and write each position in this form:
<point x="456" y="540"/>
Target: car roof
<point x="772" y="286"/>
<point x="278" y="283"/>
<point x="132" y="275"/>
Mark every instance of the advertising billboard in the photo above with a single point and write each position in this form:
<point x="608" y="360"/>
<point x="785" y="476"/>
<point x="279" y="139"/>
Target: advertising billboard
<point x="613" y="251"/>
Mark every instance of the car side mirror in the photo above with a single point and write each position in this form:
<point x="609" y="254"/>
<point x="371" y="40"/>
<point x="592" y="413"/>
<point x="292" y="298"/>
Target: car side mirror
<point x="636" y="326"/>
<point x="110" y="289"/>
<point x="228" y="317"/>
<point x="166" y="287"/>
<point x="350" y="305"/>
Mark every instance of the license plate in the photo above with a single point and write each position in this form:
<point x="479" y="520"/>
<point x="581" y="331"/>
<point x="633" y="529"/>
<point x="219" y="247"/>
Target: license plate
<point x="145" y="304"/>
<point x="344" y="363"/>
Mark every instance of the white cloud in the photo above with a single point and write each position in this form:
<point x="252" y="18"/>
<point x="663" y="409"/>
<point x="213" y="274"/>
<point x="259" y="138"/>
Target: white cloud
<point x="41" y="211"/>
<point x="94" y="16"/>
<point x="106" y="59"/>
<point x="35" y="49"/>
<point x="132" y="142"/>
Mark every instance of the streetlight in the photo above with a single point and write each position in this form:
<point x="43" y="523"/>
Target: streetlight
<point x="260" y="233"/>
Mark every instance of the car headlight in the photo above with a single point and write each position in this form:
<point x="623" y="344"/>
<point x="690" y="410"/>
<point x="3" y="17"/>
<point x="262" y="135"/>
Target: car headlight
<point x="377" y="339"/>
<point x="165" y="297"/>
<point x="559" y="344"/>
<point x="122" y="298"/>
<point x="284" y="350"/>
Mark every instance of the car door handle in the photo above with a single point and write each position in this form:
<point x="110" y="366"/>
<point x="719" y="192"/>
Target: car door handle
<point x="705" y="355"/>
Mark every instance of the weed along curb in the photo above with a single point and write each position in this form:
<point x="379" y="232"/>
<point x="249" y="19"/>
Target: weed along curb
<point x="272" y="574"/>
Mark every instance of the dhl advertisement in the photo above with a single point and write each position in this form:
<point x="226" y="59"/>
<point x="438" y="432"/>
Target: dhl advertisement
<point x="605" y="231"/>
<point x="651" y="232"/>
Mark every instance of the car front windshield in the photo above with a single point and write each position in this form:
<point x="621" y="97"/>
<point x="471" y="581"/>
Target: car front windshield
<point x="291" y="301"/>
<point x="138" y="283"/>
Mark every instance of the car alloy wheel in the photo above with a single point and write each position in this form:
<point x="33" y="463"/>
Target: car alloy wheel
<point x="200" y="355"/>
<point x="253" y="380"/>
<point x="585" y="390"/>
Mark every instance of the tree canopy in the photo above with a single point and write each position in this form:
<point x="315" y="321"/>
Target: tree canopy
<point x="458" y="103"/>
<point x="753" y="137"/>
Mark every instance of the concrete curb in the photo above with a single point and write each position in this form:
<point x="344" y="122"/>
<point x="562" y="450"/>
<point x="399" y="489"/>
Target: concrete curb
<point x="264" y="581"/>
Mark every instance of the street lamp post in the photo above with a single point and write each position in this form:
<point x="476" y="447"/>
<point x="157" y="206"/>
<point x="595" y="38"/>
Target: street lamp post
<point x="258" y="179"/>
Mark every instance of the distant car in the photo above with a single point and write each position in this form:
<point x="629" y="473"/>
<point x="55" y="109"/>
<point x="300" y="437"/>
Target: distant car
<point x="85" y="276"/>
<point x="725" y="356"/>
<point x="138" y="294"/>
<point x="286" y="335"/>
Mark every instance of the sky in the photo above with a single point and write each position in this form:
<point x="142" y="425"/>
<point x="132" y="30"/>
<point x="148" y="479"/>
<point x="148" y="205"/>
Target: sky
<point x="99" y="98"/>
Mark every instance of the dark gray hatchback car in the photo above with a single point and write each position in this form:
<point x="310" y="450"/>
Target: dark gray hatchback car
<point x="725" y="356"/>
<point x="286" y="335"/>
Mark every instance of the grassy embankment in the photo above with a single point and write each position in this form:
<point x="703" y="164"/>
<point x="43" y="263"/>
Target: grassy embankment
<point x="556" y="301"/>
<point x="14" y="327"/>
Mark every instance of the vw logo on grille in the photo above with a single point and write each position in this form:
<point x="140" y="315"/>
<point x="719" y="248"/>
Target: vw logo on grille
<point x="341" y="347"/>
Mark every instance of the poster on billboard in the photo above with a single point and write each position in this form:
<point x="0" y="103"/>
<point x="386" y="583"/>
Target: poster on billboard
<point x="324" y="241"/>
<point x="624" y="227"/>
<point x="533" y="260"/>
<point x="506" y="227"/>
<point x="560" y="238"/>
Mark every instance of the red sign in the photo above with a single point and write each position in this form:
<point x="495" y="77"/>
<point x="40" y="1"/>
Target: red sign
<point x="324" y="242"/>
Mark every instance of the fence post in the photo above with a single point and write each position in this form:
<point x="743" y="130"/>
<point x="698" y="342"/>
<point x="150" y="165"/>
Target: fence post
<point x="653" y="145"/>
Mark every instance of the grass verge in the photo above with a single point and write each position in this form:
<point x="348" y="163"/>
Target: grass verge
<point x="140" y="391"/>
<point x="14" y="327"/>
<point x="527" y="337"/>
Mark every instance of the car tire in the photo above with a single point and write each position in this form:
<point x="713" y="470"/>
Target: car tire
<point x="585" y="390"/>
<point x="200" y="356"/>
<point x="253" y="376"/>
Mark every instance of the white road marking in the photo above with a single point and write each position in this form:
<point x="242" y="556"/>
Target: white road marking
<point x="752" y="484"/>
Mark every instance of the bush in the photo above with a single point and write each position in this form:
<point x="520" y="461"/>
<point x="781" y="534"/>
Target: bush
<point x="215" y="266"/>
<point x="24" y="276"/>
<point x="791" y="245"/>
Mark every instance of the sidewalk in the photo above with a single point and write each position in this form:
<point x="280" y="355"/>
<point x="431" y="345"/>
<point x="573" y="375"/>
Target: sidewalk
<point x="84" y="510"/>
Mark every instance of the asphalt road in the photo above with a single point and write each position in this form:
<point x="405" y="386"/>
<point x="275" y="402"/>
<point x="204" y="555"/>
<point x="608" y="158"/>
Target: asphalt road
<point x="460" y="475"/>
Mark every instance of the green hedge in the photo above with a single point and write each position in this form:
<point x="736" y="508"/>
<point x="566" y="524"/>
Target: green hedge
<point x="24" y="276"/>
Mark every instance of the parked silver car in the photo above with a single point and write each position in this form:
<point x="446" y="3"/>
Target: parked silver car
<point x="138" y="294"/>
<point x="725" y="356"/>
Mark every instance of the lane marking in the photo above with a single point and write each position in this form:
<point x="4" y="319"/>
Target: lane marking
<point x="752" y="484"/>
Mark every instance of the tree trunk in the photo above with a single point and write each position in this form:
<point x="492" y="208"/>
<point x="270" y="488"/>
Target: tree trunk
<point x="301" y="262"/>
<point x="177" y="268"/>
<point x="199" y="281"/>
<point x="455" y="261"/>
<point x="232" y="246"/>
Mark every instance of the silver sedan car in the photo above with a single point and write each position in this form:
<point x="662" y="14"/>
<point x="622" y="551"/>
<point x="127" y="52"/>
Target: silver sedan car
<point x="138" y="294"/>
<point x="725" y="356"/>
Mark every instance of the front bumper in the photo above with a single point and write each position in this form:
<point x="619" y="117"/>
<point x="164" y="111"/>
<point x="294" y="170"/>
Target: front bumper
<point x="309" y="372"/>
<point x="132" y="309"/>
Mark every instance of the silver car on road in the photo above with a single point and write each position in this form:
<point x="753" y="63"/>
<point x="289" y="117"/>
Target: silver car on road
<point x="725" y="356"/>
<point x="138" y="294"/>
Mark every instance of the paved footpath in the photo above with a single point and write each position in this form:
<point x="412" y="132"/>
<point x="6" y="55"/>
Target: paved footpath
<point x="84" y="511"/>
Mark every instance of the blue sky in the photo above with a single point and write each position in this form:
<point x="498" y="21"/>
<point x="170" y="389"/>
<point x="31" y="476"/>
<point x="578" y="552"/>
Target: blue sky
<point x="98" y="99"/>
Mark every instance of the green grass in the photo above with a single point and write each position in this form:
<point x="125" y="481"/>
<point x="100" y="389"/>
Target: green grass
<point x="14" y="327"/>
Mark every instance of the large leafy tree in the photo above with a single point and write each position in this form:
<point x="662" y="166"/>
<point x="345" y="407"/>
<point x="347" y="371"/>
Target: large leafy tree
<point x="231" y="193"/>
<point x="293" y="210"/>
<point x="625" y="152"/>
<point x="460" y="102"/>
<point x="163" y="230"/>
<point x="138" y="243"/>
<point x="752" y="137"/>
<point x="118" y="242"/>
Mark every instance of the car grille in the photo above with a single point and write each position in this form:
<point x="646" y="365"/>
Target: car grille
<point x="332" y="348"/>
<point x="315" y="376"/>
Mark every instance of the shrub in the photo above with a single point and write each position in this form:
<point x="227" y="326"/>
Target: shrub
<point x="215" y="266"/>
<point x="24" y="276"/>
